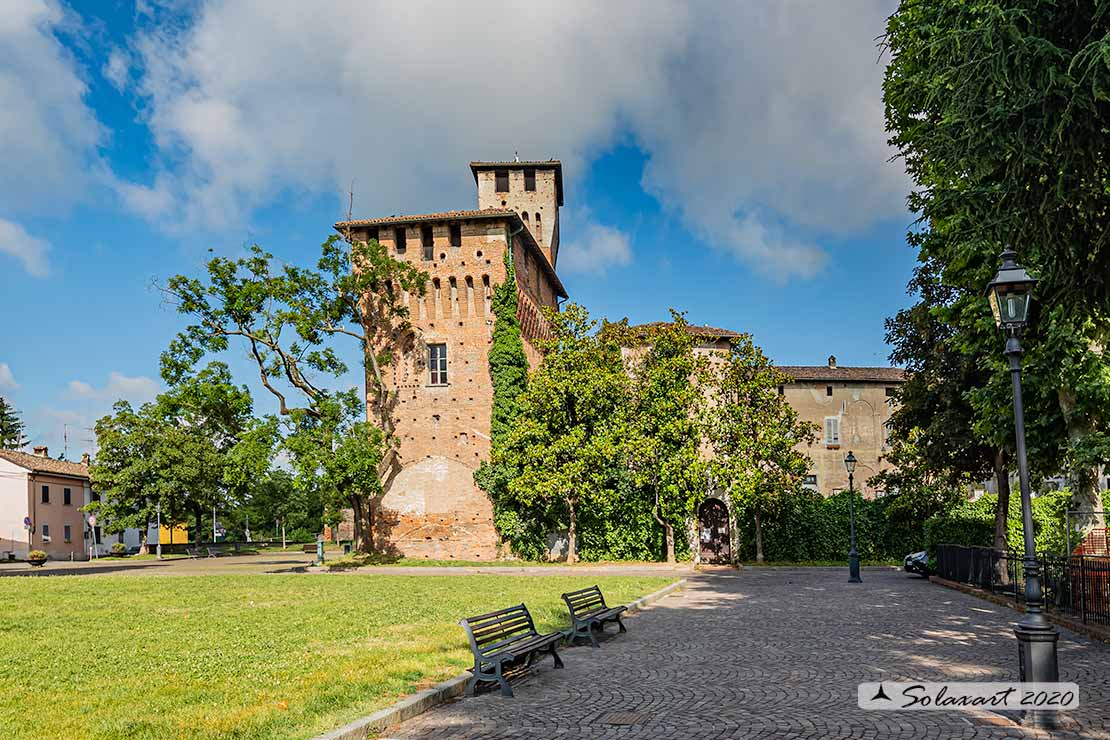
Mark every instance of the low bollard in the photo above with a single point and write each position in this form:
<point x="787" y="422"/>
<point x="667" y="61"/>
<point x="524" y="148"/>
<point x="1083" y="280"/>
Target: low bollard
<point x="319" y="552"/>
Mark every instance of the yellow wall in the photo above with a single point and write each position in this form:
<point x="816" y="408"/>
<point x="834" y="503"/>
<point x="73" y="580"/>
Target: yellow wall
<point x="180" y="535"/>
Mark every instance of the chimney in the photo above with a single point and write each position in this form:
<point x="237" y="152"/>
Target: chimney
<point x="832" y="360"/>
<point x="41" y="451"/>
<point x="84" y="458"/>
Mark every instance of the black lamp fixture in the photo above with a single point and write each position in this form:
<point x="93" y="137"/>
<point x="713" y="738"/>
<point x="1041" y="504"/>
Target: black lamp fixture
<point x="853" y="555"/>
<point x="1010" y="295"/>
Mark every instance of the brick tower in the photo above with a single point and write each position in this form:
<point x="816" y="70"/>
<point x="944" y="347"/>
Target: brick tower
<point x="431" y="507"/>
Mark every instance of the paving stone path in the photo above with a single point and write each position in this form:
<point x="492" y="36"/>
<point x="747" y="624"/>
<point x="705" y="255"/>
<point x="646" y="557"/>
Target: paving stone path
<point x="777" y="653"/>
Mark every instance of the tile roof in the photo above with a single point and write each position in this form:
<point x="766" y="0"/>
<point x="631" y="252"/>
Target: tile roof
<point x="422" y="217"/>
<point x="864" y="374"/>
<point x="504" y="213"/>
<point x="549" y="164"/>
<point x="704" y="330"/>
<point x="39" y="464"/>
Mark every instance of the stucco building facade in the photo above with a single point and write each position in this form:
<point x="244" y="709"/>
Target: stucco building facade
<point x="851" y="407"/>
<point x="431" y="507"/>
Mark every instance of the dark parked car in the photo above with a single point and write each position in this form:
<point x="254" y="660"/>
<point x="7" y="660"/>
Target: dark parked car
<point x="917" y="562"/>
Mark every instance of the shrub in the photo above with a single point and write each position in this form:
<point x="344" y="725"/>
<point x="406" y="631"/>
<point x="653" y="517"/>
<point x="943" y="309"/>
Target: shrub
<point x="36" y="555"/>
<point x="118" y="548"/>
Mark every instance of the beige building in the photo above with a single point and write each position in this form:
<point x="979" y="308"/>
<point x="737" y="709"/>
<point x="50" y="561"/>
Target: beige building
<point x="48" y="494"/>
<point x="851" y="407"/>
<point x="431" y="507"/>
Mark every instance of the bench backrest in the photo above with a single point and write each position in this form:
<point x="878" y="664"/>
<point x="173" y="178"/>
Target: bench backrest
<point x="585" y="600"/>
<point x="488" y="633"/>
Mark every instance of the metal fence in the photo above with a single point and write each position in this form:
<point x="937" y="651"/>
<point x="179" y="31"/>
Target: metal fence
<point x="1078" y="585"/>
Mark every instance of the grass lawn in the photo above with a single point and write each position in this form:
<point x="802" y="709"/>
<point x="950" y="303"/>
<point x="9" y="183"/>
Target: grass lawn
<point x="253" y="656"/>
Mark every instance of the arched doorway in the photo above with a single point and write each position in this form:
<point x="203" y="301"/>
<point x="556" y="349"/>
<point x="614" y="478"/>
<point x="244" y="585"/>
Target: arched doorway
<point x="713" y="532"/>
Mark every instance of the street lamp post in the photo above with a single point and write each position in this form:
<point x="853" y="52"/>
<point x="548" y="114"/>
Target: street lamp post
<point x="158" y="518"/>
<point x="1010" y="294"/>
<point x="853" y="555"/>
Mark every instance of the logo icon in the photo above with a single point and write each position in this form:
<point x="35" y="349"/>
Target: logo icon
<point x="880" y="695"/>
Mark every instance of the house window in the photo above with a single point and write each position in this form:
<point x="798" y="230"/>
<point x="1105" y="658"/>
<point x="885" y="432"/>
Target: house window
<point x="45" y="532"/>
<point x="810" y="481"/>
<point x="529" y="179"/>
<point x="372" y="234"/>
<point x="782" y="389"/>
<point x="524" y="216"/>
<point x="456" y="235"/>
<point x="502" y="177"/>
<point x="46" y="494"/>
<point x="66" y="497"/>
<point x="832" y="430"/>
<point x="437" y="364"/>
<point x="96" y="535"/>
<point x="67" y="533"/>
<point x="94" y="496"/>
<point x="828" y="390"/>
<point x="427" y="242"/>
<point x="890" y="392"/>
<point x="399" y="240"/>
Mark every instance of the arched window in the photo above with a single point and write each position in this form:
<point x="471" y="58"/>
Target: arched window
<point x="525" y="216"/>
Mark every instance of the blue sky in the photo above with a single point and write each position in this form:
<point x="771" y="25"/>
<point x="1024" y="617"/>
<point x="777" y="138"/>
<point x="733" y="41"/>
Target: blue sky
<point x="728" y="162"/>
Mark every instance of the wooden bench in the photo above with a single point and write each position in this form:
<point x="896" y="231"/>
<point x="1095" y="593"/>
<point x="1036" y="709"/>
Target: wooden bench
<point x="588" y="610"/>
<point x="311" y="547"/>
<point x="214" y="552"/>
<point x="502" y="639"/>
<point x="192" y="552"/>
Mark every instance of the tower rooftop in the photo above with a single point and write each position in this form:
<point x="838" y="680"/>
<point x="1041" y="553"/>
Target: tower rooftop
<point x="548" y="164"/>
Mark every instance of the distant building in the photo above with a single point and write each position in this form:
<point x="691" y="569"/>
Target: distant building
<point x="52" y="494"/>
<point x="432" y="507"/>
<point x="47" y="493"/>
<point x="851" y="407"/>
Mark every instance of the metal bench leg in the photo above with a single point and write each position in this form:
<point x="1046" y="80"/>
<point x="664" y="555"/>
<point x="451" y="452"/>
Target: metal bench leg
<point x="621" y="625"/>
<point x="593" y="637"/>
<point x="555" y="655"/>
<point x="506" y="690"/>
<point x="472" y="685"/>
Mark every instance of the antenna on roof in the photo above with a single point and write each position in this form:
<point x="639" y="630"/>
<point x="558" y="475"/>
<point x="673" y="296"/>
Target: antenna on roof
<point x="516" y="156"/>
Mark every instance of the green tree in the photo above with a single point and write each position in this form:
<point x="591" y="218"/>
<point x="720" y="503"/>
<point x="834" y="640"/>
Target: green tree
<point x="935" y="449"/>
<point x="753" y="434"/>
<point x="662" y="438"/>
<point x="12" y="432"/>
<point x="173" y="452"/>
<point x="999" y="110"/>
<point x="285" y="316"/>
<point x="337" y="458"/>
<point x="567" y="441"/>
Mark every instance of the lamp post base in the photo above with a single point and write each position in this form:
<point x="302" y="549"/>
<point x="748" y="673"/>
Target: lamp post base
<point x="1038" y="663"/>
<point x="853" y="569"/>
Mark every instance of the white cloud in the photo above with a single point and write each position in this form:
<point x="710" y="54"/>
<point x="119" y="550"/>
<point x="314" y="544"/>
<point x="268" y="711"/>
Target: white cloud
<point x="117" y="69"/>
<point x="600" y="248"/>
<point x="762" y="122"/>
<point x="7" y="379"/>
<point x="48" y="136"/>
<point x="138" y="389"/>
<point x="29" y="250"/>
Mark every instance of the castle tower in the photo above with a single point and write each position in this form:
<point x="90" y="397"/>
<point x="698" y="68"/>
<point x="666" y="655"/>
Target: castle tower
<point x="533" y="189"/>
<point x="431" y="507"/>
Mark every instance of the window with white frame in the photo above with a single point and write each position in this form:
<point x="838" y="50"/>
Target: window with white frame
<point x="832" y="430"/>
<point x="437" y="364"/>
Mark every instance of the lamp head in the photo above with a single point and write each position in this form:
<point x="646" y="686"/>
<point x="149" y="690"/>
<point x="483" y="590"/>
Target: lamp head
<point x="850" y="462"/>
<point x="1010" y="293"/>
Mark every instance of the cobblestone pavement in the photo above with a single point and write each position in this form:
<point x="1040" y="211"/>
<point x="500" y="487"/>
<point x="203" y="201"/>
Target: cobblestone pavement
<point x="777" y="653"/>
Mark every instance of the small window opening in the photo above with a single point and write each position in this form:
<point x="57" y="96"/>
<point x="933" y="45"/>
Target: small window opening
<point x="828" y="390"/>
<point x="427" y="242"/>
<point x="400" y="240"/>
<point x="437" y="364"/>
<point x="456" y="235"/>
<point x="372" y="234"/>
<point x="502" y="177"/>
<point x="529" y="179"/>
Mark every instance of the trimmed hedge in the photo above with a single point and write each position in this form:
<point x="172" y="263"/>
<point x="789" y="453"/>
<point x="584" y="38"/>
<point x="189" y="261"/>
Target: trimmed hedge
<point x="809" y="527"/>
<point x="972" y="523"/>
